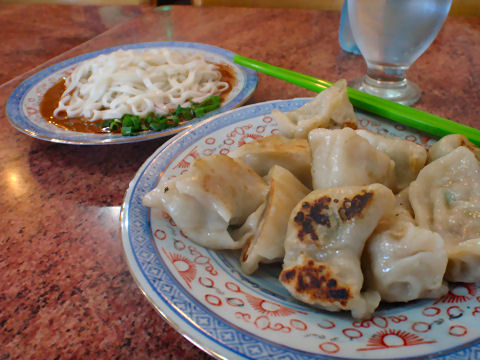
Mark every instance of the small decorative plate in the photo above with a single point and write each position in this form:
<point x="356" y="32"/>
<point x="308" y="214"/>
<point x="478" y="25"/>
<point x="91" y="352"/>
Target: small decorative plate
<point x="23" y="106"/>
<point x="207" y="298"/>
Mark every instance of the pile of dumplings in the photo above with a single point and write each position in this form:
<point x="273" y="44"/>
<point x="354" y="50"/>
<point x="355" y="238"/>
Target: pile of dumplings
<point x="355" y="217"/>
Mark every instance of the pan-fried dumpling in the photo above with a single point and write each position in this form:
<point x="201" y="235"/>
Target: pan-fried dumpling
<point x="292" y="154"/>
<point x="449" y="143"/>
<point x="402" y="261"/>
<point x="340" y="157"/>
<point x="264" y="230"/>
<point x="325" y="238"/>
<point x="216" y="192"/>
<point x="445" y="198"/>
<point x="329" y="109"/>
<point x="409" y="157"/>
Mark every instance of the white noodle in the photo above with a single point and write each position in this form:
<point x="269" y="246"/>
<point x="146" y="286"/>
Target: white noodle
<point x="139" y="83"/>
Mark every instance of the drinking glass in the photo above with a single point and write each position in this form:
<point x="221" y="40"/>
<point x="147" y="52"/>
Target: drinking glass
<point x="391" y="35"/>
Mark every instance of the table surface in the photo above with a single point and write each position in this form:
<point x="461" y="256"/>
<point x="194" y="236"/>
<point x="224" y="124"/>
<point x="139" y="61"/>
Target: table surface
<point x="66" y="290"/>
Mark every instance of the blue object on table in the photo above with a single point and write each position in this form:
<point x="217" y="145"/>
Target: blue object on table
<point x="345" y="36"/>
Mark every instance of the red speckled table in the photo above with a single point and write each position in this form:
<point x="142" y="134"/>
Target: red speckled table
<point x="66" y="290"/>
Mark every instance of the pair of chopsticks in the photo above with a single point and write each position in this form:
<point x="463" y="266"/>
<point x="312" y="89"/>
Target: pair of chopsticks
<point x="402" y="114"/>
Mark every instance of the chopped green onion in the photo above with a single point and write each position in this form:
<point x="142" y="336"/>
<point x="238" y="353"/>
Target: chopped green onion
<point x="157" y="126"/>
<point x="131" y="124"/>
<point x="149" y="118"/>
<point x="115" y="124"/>
<point x="126" y="130"/>
<point x="106" y="123"/>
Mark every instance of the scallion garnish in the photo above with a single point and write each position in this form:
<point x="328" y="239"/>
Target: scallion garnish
<point x="133" y="124"/>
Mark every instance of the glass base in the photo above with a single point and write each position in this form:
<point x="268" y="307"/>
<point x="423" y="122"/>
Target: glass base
<point x="403" y="92"/>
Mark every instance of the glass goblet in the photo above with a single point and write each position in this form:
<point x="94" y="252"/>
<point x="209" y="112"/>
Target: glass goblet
<point x="391" y="35"/>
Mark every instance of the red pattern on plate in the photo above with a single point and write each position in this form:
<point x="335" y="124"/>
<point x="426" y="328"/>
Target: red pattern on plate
<point x="392" y="338"/>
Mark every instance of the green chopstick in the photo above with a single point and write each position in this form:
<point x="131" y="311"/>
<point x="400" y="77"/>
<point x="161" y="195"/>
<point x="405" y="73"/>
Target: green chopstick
<point x="402" y="114"/>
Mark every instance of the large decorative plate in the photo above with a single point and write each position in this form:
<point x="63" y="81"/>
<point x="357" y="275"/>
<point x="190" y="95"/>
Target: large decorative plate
<point x="23" y="106"/>
<point x="205" y="296"/>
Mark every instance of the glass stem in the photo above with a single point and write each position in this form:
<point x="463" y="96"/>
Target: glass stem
<point x="388" y="82"/>
<point x="389" y="76"/>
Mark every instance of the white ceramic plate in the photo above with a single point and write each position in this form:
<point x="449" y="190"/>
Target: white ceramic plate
<point x="205" y="296"/>
<point x="23" y="106"/>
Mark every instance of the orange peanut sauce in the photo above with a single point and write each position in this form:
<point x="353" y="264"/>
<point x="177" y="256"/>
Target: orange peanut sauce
<point x="52" y="97"/>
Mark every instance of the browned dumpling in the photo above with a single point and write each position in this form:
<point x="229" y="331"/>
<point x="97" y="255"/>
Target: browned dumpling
<point x="325" y="238"/>
<point x="265" y="229"/>
<point x="216" y="192"/>
<point x="292" y="154"/>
